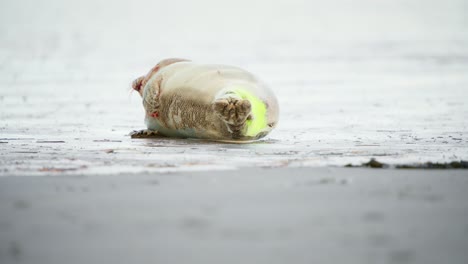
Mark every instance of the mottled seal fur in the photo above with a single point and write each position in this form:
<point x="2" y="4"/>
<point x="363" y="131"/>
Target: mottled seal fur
<point x="217" y="102"/>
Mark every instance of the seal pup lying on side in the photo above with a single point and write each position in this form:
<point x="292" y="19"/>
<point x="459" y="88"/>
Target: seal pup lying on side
<point x="216" y="102"/>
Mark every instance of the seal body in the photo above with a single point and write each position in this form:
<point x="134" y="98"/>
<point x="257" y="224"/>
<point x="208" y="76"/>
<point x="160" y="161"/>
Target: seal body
<point x="217" y="102"/>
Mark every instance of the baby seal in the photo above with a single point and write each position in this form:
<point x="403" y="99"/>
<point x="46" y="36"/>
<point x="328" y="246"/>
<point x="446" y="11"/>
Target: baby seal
<point x="206" y="101"/>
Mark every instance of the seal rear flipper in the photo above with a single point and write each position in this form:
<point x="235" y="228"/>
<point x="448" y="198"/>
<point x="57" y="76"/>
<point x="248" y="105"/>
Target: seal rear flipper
<point x="234" y="111"/>
<point x="252" y="121"/>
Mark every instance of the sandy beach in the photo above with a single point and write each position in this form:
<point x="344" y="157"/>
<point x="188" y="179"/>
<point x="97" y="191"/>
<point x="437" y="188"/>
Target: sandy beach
<point x="355" y="80"/>
<point x="302" y="215"/>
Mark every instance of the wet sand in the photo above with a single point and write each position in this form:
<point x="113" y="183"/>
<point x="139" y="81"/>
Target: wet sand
<point x="302" y="215"/>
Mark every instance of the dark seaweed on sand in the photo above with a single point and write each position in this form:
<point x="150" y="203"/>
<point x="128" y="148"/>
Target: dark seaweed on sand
<point x="373" y="163"/>
<point x="429" y="165"/>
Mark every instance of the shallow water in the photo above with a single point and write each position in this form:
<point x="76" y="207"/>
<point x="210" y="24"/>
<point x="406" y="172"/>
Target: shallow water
<point x="354" y="80"/>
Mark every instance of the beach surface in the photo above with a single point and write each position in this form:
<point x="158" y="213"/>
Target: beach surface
<point x="299" y="215"/>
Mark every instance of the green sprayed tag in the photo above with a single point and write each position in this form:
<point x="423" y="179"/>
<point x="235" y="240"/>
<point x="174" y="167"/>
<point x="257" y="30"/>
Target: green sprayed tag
<point x="258" y="122"/>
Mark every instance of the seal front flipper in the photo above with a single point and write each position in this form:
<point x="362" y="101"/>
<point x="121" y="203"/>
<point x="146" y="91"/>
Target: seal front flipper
<point x="138" y="83"/>
<point x="145" y="133"/>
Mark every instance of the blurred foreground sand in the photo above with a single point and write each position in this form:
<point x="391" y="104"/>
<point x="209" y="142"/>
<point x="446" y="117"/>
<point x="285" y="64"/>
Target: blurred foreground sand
<point x="289" y="215"/>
